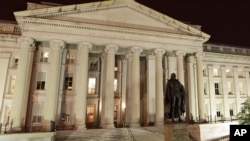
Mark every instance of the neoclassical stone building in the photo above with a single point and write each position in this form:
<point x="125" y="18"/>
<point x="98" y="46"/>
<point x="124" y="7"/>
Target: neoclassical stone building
<point x="105" y="64"/>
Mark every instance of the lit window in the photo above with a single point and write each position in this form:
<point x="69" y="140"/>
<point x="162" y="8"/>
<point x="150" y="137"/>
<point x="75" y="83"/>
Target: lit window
<point x="92" y="85"/>
<point x="115" y="85"/>
<point x="90" y="113"/>
<point x="44" y="56"/>
<point x="40" y="82"/>
<point x="229" y="88"/>
<point x="68" y="82"/>
<point x="12" y="84"/>
<point x="37" y="112"/>
<point x="70" y="59"/>
<point x="216" y="86"/>
<point x="216" y="73"/>
<point x="228" y="73"/>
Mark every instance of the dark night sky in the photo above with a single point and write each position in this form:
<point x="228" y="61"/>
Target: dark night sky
<point x="228" y="22"/>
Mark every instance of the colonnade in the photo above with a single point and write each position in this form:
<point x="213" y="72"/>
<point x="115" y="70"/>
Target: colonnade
<point x="132" y="91"/>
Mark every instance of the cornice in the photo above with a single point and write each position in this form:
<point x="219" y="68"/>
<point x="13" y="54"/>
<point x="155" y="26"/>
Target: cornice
<point x="105" y="28"/>
<point x="112" y="4"/>
<point x="226" y="56"/>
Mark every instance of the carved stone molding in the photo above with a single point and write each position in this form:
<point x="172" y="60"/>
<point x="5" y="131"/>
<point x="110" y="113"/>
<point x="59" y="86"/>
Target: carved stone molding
<point x="190" y="58"/>
<point x="85" y="46"/>
<point x="159" y="52"/>
<point x="110" y="48"/>
<point x="179" y="53"/>
<point x="199" y="55"/>
<point x="136" y="50"/>
<point x="26" y="42"/>
<point x="57" y="44"/>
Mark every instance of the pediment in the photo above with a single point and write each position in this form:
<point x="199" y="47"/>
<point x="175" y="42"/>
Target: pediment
<point x="118" y="13"/>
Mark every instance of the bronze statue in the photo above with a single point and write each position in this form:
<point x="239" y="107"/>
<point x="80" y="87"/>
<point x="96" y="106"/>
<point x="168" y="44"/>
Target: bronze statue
<point x="175" y="98"/>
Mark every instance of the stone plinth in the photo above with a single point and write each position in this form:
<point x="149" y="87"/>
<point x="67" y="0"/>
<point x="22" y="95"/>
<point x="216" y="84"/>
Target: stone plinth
<point x="176" y="132"/>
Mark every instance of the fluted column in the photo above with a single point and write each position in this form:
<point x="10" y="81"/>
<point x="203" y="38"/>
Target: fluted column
<point x="159" y="116"/>
<point x="180" y="66"/>
<point x="81" y="85"/>
<point x="224" y="92"/>
<point x="128" y="88"/>
<point x="211" y="92"/>
<point x="56" y="53"/>
<point x="237" y="89"/>
<point x="135" y="99"/>
<point x="191" y="88"/>
<point x="247" y="70"/>
<point x="107" y="120"/>
<point x="20" y="97"/>
<point x="200" y="86"/>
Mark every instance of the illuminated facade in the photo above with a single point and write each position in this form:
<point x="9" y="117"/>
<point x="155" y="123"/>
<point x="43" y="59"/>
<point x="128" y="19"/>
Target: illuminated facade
<point x="105" y="64"/>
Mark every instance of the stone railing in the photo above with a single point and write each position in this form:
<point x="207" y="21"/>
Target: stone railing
<point x="7" y="28"/>
<point x="226" y="49"/>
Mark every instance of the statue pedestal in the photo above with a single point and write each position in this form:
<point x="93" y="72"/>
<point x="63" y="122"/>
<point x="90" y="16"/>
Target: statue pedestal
<point x="176" y="132"/>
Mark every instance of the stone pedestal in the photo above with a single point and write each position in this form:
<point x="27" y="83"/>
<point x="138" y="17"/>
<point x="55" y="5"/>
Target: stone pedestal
<point x="176" y="132"/>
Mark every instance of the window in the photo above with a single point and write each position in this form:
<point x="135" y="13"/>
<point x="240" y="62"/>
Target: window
<point x="241" y="88"/>
<point x="90" y="113"/>
<point x="218" y="110"/>
<point x="229" y="88"/>
<point x="66" y="112"/>
<point x="115" y="85"/>
<point x="92" y="86"/>
<point x="216" y="86"/>
<point x="205" y="88"/>
<point x="12" y="84"/>
<point x="40" y="82"/>
<point x="70" y="59"/>
<point x="37" y="112"/>
<point x="231" y="109"/>
<point x="240" y="73"/>
<point x="93" y="66"/>
<point x="44" y="56"/>
<point x="68" y="82"/>
<point x="216" y="72"/>
<point x="115" y="112"/>
<point x="16" y="62"/>
<point x="228" y="73"/>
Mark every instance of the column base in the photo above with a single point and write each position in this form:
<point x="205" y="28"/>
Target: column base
<point x="159" y="123"/>
<point x="81" y="127"/>
<point x="108" y="126"/>
<point x="134" y="125"/>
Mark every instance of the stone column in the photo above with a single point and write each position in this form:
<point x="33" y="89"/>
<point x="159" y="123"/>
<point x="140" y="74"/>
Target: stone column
<point x="224" y="92"/>
<point x="150" y="97"/>
<point x="191" y="88"/>
<point x="171" y="64"/>
<point x="211" y="92"/>
<point x="237" y="89"/>
<point x="50" y="108"/>
<point x="135" y="86"/>
<point x="247" y="81"/>
<point x="107" y="120"/>
<point x="81" y="86"/>
<point x="180" y="66"/>
<point x="159" y="97"/>
<point x="200" y="86"/>
<point x="128" y="88"/>
<point x="21" y="94"/>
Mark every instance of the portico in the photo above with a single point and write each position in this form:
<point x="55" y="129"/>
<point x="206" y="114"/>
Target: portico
<point x="89" y="70"/>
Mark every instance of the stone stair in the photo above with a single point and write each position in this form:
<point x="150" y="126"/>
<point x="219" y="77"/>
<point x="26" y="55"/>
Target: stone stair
<point x="116" y="134"/>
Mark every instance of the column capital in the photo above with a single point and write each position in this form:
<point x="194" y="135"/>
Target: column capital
<point x="26" y="42"/>
<point x="170" y="54"/>
<point x="86" y="46"/>
<point x="57" y="44"/>
<point x="180" y="53"/>
<point x="159" y="51"/>
<point x="128" y="57"/>
<point x="199" y="54"/>
<point x="190" y="58"/>
<point x="136" y="50"/>
<point x="111" y="48"/>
